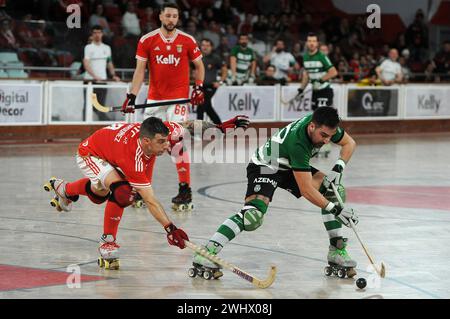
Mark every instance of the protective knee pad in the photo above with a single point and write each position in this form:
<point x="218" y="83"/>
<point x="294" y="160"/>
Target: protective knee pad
<point x="94" y="197"/>
<point x="253" y="214"/>
<point x="121" y="193"/>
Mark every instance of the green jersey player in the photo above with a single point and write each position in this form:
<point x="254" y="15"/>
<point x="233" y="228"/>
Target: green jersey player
<point x="319" y="71"/>
<point x="242" y="62"/>
<point x="283" y="161"/>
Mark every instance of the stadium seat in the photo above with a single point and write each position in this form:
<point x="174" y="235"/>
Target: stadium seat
<point x="16" y="73"/>
<point x="7" y="57"/>
<point x="3" y="74"/>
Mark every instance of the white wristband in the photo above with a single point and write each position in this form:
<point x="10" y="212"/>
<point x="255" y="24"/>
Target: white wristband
<point x="340" y="162"/>
<point x="329" y="207"/>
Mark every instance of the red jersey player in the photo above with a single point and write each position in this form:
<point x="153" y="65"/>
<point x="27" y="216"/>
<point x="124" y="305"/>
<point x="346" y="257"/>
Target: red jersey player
<point x="168" y="51"/>
<point x="117" y="161"/>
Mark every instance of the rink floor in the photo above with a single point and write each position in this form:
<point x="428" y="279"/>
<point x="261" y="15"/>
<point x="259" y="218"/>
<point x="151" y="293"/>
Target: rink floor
<point x="399" y="185"/>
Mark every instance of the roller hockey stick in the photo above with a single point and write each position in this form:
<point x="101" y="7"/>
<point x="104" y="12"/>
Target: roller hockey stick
<point x="382" y="270"/>
<point x="244" y="275"/>
<point x="106" y="109"/>
<point x="297" y="97"/>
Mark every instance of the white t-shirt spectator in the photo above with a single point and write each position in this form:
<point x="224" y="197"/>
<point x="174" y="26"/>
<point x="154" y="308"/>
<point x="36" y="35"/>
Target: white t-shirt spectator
<point x="282" y="61"/>
<point x="130" y="23"/>
<point x="389" y="69"/>
<point x="98" y="55"/>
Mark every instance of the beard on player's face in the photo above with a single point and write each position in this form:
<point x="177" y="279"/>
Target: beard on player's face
<point x="169" y="26"/>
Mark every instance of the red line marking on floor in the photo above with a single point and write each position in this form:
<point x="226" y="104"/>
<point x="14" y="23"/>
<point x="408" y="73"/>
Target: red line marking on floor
<point x="429" y="197"/>
<point x="15" y="277"/>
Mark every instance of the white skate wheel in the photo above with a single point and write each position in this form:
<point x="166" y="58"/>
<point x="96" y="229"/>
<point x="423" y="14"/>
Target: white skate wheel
<point x="207" y="275"/>
<point x="192" y="272"/>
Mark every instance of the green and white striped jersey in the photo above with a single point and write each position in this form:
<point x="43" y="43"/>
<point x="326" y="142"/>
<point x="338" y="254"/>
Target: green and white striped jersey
<point x="317" y="66"/>
<point x="291" y="148"/>
<point x="244" y="58"/>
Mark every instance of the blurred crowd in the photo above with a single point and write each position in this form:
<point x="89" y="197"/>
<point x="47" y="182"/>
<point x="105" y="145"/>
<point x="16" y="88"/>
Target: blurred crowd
<point x="275" y="31"/>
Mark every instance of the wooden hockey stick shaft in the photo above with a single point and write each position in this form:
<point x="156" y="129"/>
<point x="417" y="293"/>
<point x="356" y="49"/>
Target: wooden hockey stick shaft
<point x="244" y="275"/>
<point x="382" y="270"/>
<point x="105" y="109"/>
<point x="297" y="96"/>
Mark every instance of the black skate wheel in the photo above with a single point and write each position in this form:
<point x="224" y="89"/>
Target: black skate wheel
<point x="207" y="275"/>
<point x="341" y="273"/>
<point x="328" y="271"/>
<point x="192" y="272"/>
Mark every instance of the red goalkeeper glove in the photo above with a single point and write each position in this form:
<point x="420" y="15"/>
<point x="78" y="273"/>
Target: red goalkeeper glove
<point x="198" y="95"/>
<point x="234" y="123"/>
<point x="176" y="236"/>
<point x="128" y="105"/>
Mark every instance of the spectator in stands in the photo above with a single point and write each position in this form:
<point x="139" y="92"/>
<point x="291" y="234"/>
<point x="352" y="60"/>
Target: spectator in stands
<point x="260" y="27"/>
<point x="417" y="29"/>
<point x="267" y="7"/>
<point x="191" y="28"/>
<point x="440" y="65"/>
<point x="8" y="40"/>
<point x="97" y="60"/>
<point x="207" y="16"/>
<point x="390" y="71"/>
<point x="242" y="62"/>
<point x="226" y="13"/>
<point x="324" y="49"/>
<point x="256" y="45"/>
<point x="130" y="22"/>
<point x="97" y="18"/>
<point x="213" y="64"/>
<point x="284" y="62"/>
<point x="213" y="33"/>
<point x="268" y="77"/>
<point x="406" y="72"/>
<point x="246" y="26"/>
<point x="231" y="36"/>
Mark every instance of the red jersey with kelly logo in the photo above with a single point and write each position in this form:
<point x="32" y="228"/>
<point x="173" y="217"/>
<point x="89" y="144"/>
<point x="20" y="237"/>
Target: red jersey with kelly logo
<point x="119" y="145"/>
<point x="168" y="63"/>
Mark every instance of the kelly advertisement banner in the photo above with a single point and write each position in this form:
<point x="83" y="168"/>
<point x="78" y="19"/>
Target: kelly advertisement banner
<point x="431" y="101"/>
<point x="257" y="102"/>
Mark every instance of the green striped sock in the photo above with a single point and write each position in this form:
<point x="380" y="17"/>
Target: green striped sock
<point x="333" y="226"/>
<point x="229" y="229"/>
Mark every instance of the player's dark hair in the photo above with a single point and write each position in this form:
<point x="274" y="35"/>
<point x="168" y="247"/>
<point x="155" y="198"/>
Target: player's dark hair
<point x="170" y="5"/>
<point x="326" y="115"/>
<point x="242" y="35"/>
<point x="96" y="27"/>
<point x="152" y="126"/>
<point x="312" y="34"/>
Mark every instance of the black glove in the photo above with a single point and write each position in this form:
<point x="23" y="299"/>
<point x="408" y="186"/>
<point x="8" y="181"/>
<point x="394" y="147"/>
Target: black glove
<point x="128" y="104"/>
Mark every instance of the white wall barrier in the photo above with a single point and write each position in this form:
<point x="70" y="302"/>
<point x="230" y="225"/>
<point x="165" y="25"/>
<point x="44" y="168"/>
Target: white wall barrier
<point x="21" y="104"/>
<point x="65" y="102"/>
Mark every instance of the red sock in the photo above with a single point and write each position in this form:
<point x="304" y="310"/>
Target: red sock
<point x="77" y="188"/>
<point x="184" y="168"/>
<point x="113" y="215"/>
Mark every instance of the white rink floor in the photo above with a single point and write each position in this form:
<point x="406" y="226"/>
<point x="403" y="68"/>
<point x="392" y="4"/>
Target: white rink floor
<point x="409" y="231"/>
